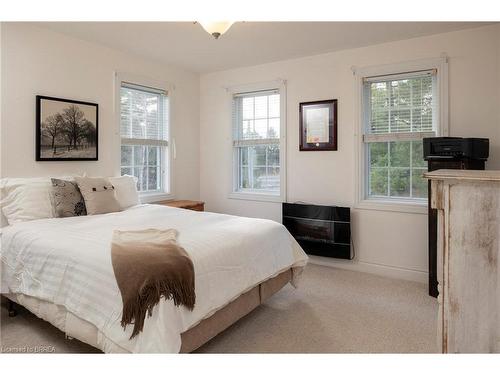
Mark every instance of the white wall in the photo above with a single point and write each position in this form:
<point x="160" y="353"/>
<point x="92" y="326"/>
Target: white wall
<point x="390" y="243"/>
<point x="39" y="61"/>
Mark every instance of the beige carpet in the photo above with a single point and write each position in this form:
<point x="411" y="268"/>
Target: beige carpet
<point x="333" y="311"/>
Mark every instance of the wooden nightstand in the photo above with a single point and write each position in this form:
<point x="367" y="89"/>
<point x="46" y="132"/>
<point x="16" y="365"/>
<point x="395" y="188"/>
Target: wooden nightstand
<point x="189" y="205"/>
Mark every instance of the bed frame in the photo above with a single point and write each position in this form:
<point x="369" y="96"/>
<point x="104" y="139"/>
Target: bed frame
<point x="211" y="326"/>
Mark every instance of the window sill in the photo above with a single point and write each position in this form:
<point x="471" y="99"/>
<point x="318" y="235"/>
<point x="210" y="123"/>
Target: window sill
<point x="155" y="197"/>
<point x="394" y="206"/>
<point x="262" y="197"/>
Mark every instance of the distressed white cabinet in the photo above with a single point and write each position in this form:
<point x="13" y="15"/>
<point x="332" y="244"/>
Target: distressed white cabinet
<point x="468" y="204"/>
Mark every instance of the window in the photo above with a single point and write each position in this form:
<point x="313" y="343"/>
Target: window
<point x="257" y="149"/>
<point x="144" y="136"/>
<point x="398" y="110"/>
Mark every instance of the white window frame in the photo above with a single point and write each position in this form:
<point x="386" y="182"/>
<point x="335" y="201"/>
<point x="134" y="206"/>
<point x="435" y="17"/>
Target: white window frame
<point x="254" y="195"/>
<point x="441" y="110"/>
<point x="167" y="183"/>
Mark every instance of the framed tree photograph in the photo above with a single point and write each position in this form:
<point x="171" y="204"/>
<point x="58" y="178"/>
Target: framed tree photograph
<point x="318" y="125"/>
<point x="66" y="129"/>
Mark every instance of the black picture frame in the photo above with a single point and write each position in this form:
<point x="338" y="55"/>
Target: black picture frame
<point x="331" y="144"/>
<point x="86" y="140"/>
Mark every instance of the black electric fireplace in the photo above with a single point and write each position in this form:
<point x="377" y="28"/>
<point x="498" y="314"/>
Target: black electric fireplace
<point x="320" y="230"/>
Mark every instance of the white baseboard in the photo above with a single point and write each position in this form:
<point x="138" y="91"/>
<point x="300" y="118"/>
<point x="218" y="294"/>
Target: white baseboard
<point x="377" y="269"/>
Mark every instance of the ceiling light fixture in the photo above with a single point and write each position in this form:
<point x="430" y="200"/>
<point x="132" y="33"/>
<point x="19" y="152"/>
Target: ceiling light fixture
<point x="216" y="29"/>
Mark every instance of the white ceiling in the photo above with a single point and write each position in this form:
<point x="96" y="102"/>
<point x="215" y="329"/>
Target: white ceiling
<point x="187" y="45"/>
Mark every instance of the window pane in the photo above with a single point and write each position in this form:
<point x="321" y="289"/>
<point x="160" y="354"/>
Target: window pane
<point x="244" y="178"/>
<point x="258" y="156"/>
<point x="247" y="108"/>
<point x="400" y="121"/>
<point x="379" y="118"/>
<point x="378" y="154"/>
<point x="273" y="179"/>
<point x="139" y="155"/>
<point x="259" y="178"/>
<point x="248" y="130"/>
<point x="274" y="128"/>
<point x="400" y="154"/>
<point x="419" y="184"/>
<point x="401" y="93"/>
<point x="378" y="181"/>
<point x="145" y="165"/>
<point x="244" y="155"/>
<point x="139" y="172"/>
<point x="379" y="95"/>
<point x="398" y="163"/>
<point x="380" y="121"/>
<point x="416" y="123"/>
<point x="261" y="128"/>
<point x="126" y="159"/>
<point x="426" y="119"/>
<point x="402" y="105"/>
<point x="418" y="154"/>
<point x="143" y="114"/>
<point x="400" y="182"/>
<point x="273" y="155"/>
<point x="151" y="118"/>
<point x="416" y="86"/>
<point x="274" y="105"/>
<point x="261" y="107"/>
<point x="153" y="155"/>
<point x="153" y="178"/>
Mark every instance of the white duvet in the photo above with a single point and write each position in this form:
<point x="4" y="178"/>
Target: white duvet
<point x="67" y="262"/>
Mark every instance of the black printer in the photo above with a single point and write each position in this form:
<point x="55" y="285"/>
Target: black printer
<point x="456" y="148"/>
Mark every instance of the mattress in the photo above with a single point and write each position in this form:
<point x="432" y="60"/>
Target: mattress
<point x="66" y="263"/>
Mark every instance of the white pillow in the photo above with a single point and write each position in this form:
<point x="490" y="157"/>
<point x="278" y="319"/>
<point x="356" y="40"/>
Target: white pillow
<point x="24" y="199"/>
<point x="125" y="190"/>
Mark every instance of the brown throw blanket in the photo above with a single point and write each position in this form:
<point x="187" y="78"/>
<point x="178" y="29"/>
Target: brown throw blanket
<point x="149" y="264"/>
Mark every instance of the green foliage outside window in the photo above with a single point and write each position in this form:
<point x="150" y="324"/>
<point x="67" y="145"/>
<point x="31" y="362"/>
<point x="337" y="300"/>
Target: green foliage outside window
<point x="396" y="169"/>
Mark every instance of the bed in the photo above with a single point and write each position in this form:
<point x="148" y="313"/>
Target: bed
<point x="60" y="269"/>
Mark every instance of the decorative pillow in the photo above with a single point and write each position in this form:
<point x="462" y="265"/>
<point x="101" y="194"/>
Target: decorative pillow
<point x="99" y="195"/>
<point x="125" y="190"/>
<point x="68" y="201"/>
